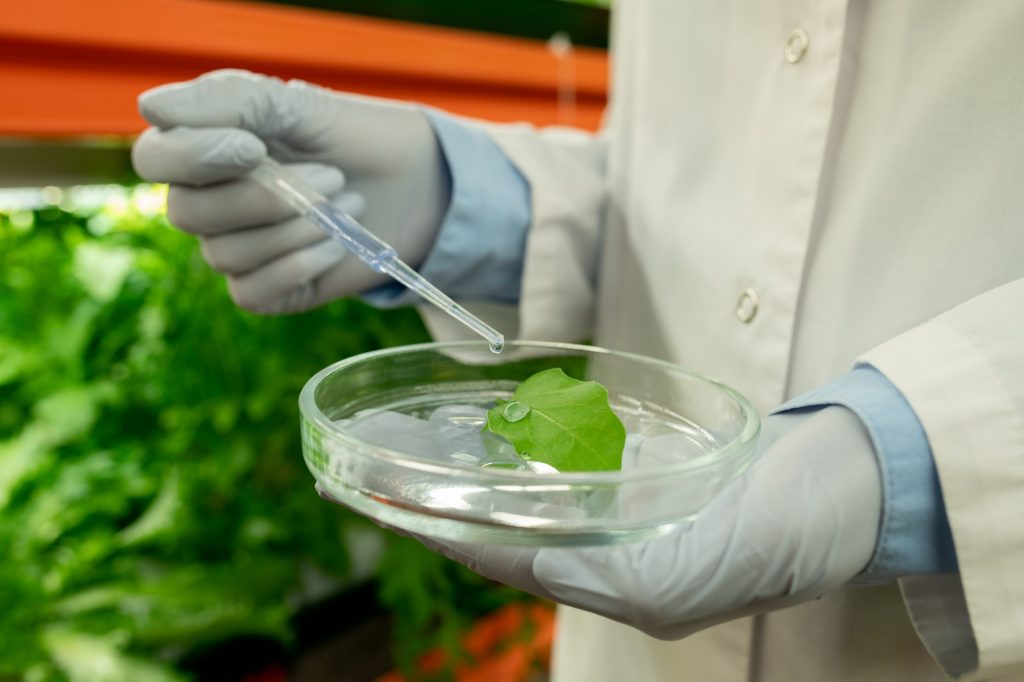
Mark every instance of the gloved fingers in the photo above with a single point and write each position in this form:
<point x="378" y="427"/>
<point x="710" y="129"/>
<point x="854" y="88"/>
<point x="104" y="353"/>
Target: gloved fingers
<point x="660" y="586"/>
<point x="226" y="98"/>
<point x="800" y="522"/>
<point x="515" y="566"/>
<point x="510" y="565"/>
<point x="242" y="203"/>
<point x="241" y="251"/>
<point x="287" y="284"/>
<point x="352" y="203"/>
<point x="196" y="157"/>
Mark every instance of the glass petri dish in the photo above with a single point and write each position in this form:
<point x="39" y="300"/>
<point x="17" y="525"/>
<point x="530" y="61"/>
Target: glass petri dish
<point x="687" y="437"/>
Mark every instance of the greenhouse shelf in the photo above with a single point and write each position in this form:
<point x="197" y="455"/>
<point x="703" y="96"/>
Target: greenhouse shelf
<point x="74" y="69"/>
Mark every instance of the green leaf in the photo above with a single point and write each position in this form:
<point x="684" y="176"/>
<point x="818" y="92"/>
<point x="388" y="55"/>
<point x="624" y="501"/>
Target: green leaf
<point x="159" y="516"/>
<point x="84" y="658"/>
<point x="152" y="496"/>
<point x="102" y="269"/>
<point x="561" y="421"/>
<point x="14" y="361"/>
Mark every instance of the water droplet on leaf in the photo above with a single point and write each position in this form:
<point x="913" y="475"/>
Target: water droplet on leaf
<point x="515" y="411"/>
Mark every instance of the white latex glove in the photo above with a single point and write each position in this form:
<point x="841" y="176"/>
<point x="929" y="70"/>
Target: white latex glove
<point x="802" y="521"/>
<point x="210" y="132"/>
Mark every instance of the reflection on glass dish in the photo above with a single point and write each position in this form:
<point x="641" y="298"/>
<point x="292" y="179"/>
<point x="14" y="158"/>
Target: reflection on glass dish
<point x="397" y="435"/>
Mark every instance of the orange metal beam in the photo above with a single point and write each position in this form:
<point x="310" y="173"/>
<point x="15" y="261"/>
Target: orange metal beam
<point x="73" y="68"/>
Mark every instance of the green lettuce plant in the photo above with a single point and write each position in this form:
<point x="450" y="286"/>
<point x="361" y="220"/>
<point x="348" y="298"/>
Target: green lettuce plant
<point x="153" y="497"/>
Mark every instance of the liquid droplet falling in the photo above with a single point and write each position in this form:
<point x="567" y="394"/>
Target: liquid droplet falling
<point x="515" y="411"/>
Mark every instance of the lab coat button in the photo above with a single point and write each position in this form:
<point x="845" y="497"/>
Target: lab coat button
<point x="796" y="45"/>
<point x="746" y="307"/>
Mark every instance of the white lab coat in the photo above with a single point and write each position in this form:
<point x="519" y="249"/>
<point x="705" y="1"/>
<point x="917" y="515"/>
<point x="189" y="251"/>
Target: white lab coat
<point x="866" y="186"/>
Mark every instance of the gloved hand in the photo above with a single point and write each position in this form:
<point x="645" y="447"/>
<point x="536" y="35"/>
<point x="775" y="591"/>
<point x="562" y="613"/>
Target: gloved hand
<point x="802" y="521"/>
<point x="210" y="132"/>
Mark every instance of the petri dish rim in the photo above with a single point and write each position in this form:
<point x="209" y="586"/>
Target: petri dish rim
<point x="739" y="444"/>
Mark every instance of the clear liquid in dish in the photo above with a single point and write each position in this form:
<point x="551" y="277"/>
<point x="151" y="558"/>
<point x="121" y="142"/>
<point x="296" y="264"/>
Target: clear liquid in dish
<point x="448" y="428"/>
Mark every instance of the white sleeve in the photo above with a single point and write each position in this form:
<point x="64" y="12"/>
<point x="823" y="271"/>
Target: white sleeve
<point x="566" y="172"/>
<point x="565" y="169"/>
<point x="963" y="373"/>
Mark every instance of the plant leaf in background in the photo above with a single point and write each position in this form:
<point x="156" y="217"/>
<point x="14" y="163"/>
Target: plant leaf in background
<point x="561" y="421"/>
<point x="153" y="497"/>
<point x="101" y="269"/>
<point x="93" y="659"/>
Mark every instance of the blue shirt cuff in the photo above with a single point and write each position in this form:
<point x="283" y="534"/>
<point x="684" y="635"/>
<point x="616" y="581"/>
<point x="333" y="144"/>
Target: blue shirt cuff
<point x="479" y="251"/>
<point x="914" y="537"/>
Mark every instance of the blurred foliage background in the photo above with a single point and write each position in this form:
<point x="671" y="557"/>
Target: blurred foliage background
<point x="153" y="498"/>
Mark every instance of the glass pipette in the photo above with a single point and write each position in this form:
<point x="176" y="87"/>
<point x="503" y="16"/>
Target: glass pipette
<point x="368" y="248"/>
